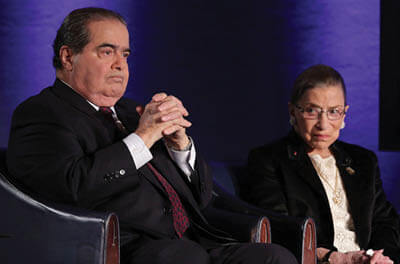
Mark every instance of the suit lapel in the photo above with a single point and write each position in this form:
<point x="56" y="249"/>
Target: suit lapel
<point x="67" y="94"/>
<point x="303" y="166"/>
<point x="126" y="114"/>
<point x="169" y="171"/>
<point x="353" y="184"/>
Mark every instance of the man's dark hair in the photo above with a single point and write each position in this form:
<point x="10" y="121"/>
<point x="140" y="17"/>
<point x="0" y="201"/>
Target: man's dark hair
<point x="316" y="75"/>
<point x="74" y="32"/>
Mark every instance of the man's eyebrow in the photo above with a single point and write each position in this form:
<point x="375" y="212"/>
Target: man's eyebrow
<point x="103" y="45"/>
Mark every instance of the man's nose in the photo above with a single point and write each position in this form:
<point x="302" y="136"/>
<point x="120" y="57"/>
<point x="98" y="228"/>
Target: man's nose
<point x="119" y="62"/>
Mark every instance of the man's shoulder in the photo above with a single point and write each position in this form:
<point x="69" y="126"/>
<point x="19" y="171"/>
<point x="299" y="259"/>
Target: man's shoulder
<point x="40" y="102"/>
<point x="55" y="103"/>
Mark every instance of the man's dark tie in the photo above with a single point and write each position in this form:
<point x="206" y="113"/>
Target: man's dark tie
<point x="179" y="215"/>
<point x="118" y="129"/>
<point x="181" y="220"/>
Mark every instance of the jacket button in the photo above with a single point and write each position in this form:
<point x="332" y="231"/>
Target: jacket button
<point x="122" y="172"/>
<point x="107" y="177"/>
<point x="167" y="211"/>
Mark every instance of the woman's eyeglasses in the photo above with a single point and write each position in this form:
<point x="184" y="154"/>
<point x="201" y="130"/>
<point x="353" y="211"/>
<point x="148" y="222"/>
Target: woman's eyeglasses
<point x="314" y="112"/>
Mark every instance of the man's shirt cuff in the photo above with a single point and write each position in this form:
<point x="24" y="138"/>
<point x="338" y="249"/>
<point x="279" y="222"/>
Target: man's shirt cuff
<point x="139" y="151"/>
<point x="184" y="158"/>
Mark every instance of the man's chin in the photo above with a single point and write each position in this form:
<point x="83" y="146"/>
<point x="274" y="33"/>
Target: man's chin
<point x="116" y="91"/>
<point x="106" y="99"/>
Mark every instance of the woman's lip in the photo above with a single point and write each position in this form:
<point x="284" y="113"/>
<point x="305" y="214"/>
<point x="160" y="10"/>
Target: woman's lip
<point x="322" y="136"/>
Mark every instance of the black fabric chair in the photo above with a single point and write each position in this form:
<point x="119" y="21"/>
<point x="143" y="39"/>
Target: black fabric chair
<point x="296" y="234"/>
<point x="32" y="231"/>
<point x="36" y="231"/>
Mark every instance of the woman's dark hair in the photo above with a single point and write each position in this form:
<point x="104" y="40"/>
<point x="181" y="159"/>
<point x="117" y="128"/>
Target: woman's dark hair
<point x="74" y="33"/>
<point x="316" y="75"/>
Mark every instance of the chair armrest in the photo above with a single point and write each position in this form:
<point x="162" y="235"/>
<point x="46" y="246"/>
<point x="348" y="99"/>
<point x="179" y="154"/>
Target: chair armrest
<point x="245" y="228"/>
<point x="50" y="233"/>
<point x="262" y="232"/>
<point x="296" y="234"/>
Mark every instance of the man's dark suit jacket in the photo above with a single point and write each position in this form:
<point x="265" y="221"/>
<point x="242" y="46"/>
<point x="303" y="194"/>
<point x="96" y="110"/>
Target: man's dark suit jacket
<point x="281" y="177"/>
<point x="60" y="150"/>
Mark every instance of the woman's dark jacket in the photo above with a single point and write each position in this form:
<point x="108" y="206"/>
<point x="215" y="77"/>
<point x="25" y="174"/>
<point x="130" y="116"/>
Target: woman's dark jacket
<point x="282" y="178"/>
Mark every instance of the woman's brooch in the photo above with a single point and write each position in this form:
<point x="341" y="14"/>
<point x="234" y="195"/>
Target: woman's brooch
<point x="350" y="170"/>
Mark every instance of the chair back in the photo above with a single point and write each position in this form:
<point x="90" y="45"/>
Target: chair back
<point x="296" y="234"/>
<point x="35" y="231"/>
<point x="3" y="160"/>
<point x="226" y="175"/>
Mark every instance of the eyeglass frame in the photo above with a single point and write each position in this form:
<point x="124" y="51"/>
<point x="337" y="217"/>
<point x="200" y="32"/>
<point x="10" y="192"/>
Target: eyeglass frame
<point x="320" y="112"/>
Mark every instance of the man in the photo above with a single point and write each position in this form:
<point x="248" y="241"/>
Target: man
<point x="79" y="142"/>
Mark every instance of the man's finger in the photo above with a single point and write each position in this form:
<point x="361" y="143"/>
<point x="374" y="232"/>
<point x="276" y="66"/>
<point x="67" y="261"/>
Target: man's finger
<point x="180" y="124"/>
<point x="140" y="109"/>
<point x="159" y="97"/>
<point x="164" y="105"/>
<point x="169" y="102"/>
<point x="185" y="123"/>
<point x="174" y="114"/>
<point x="170" y="130"/>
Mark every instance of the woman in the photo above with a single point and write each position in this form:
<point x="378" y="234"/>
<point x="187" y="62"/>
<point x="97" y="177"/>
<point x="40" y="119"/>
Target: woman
<point x="311" y="173"/>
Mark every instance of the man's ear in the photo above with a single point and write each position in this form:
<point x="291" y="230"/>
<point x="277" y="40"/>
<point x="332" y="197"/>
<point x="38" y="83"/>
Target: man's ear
<point x="66" y="57"/>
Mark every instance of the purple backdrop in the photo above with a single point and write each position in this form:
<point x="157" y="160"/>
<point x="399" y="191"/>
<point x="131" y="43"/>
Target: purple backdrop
<point x="231" y="62"/>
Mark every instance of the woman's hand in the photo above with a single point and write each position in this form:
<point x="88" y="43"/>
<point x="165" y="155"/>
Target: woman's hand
<point x="379" y="258"/>
<point x="354" y="257"/>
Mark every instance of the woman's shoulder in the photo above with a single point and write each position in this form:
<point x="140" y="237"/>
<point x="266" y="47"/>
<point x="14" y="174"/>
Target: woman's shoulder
<point x="354" y="151"/>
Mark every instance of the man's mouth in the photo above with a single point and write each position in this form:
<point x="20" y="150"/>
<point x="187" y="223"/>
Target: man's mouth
<point x="117" y="79"/>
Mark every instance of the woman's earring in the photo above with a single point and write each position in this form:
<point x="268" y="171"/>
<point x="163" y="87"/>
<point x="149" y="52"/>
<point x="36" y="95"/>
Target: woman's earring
<point x="343" y="125"/>
<point x="292" y="121"/>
